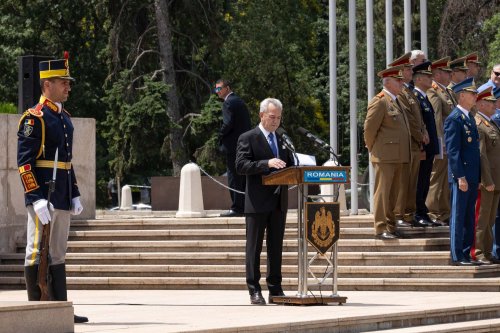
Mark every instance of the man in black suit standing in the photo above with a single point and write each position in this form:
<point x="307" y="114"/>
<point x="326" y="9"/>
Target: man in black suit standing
<point x="236" y="121"/>
<point x="259" y="153"/>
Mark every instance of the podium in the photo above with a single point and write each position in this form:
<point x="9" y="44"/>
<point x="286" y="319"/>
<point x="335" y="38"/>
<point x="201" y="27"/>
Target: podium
<point x="318" y="224"/>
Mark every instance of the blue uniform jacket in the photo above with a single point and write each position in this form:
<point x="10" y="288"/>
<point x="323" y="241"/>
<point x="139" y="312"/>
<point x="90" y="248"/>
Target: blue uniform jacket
<point x="462" y="146"/>
<point x="41" y="131"/>
<point x="432" y="148"/>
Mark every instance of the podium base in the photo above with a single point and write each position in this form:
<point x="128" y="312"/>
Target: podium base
<point x="308" y="300"/>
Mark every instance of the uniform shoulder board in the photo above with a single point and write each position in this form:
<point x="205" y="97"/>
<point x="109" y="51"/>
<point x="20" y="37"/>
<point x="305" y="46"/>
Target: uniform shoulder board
<point x="380" y="94"/>
<point x="69" y="114"/>
<point x="35" y="112"/>
<point x="478" y="120"/>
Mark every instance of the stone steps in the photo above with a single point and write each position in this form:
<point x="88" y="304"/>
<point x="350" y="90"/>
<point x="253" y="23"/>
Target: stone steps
<point x="388" y="259"/>
<point x="231" y="234"/>
<point x="289" y="245"/>
<point x="229" y="283"/>
<point x="476" y="326"/>
<point x="209" y="253"/>
<point x="288" y="271"/>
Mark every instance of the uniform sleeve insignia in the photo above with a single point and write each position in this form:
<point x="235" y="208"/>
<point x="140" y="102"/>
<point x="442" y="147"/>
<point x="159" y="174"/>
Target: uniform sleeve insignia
<point x="28" y="179"/>
<point x="27" y="130"/>
<point x="35" y="112"/>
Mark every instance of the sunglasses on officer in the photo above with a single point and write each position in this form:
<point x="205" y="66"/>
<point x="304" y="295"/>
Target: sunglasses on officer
<point x="496" y="73"/>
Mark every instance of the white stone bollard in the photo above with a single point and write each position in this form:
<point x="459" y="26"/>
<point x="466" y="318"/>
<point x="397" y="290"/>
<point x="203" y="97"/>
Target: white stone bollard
<point x="328" y="190"/>
<point x="126" y="199"/>
<point x="190" y="193"/>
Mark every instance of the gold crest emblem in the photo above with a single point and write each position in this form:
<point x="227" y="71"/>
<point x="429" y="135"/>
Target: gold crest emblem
<point x="322" y="227"/>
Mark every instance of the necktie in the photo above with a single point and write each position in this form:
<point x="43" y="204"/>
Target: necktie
<point x="272" y="144"/>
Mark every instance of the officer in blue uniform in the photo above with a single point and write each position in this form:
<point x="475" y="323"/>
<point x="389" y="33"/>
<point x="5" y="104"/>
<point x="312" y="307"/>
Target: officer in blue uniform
<point x="496" y="227"/>
<point x="44" y="129"/>
<point x="462" y="145"/>
<point x="422" y="78"/>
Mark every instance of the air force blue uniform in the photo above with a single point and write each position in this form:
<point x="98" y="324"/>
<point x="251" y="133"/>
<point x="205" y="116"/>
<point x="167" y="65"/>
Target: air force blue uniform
<point x="462" y="145"/>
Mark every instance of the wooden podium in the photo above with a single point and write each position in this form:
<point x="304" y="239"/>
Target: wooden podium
<point x="302" y="176"/>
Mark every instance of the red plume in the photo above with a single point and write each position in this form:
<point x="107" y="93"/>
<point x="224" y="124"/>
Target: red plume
<point x="66" y="55"/>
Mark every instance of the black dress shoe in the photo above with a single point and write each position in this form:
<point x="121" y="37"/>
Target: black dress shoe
<point x="271" y="295"/>
<point x="386" y="235"/>
<point x="80" y="319"/>
<point x="461" y="263"/>
<point x="231" y="213"/>
<point x="421" y="223"/>
<point x="495" y="261"/>
<point x="439" y="223"/>
<point x="399" y="234"/>
<point x="403" y="223"/>
<point x="478" y="262"/>
<point x="257" y="299"/>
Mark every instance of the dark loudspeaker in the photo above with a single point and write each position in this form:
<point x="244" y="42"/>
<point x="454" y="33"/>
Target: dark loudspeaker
<point x="29" y="81"/>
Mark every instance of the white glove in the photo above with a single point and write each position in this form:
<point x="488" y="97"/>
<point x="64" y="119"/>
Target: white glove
<point x="41" y="210"/>
<point x="76" y="207"/>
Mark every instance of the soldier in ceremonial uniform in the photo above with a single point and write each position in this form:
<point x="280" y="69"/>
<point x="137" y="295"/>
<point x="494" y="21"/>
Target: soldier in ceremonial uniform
<point x="406" y="202"/>
<point x="44" y="129"/>
<point x="489" y="196"/>
<point x="462" y="146"/>
<point x="423" y="81"/>
<point x="387" y="138"/>
<point x="438" y="198"/>
<point x="473" y="64"/>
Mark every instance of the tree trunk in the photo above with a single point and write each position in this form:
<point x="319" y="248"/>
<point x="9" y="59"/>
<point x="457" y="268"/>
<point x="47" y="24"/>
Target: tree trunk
<point x="177" y="151"/>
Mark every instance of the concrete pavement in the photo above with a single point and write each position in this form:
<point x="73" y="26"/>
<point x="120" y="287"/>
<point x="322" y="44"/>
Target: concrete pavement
<point x="229" y="311"/>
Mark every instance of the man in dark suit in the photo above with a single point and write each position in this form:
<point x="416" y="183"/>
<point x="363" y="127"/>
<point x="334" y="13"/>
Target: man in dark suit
<point x="422" y="76"/>
<point x="259" y="153"/>
<point x="236" y="121"/>
<point x="462" y="146"/>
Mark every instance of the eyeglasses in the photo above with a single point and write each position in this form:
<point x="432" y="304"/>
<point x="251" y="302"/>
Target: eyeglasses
<point x="218" y="89"/>
<point x="496" y="73"/>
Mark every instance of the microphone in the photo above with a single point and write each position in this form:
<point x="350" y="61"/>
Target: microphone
<point x="286" y="139"/>
<point x="317" y="141"/>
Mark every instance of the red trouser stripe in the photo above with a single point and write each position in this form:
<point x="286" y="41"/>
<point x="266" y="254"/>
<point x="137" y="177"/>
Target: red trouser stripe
<point x="476" y="220"/>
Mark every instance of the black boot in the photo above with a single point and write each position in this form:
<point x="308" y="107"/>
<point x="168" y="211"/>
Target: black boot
<point x="30" y="277"/>
<point x="59" y="288"/>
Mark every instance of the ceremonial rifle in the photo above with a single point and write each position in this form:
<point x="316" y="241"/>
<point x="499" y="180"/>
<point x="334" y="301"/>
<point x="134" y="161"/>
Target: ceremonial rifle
<point x="43" y="266"/>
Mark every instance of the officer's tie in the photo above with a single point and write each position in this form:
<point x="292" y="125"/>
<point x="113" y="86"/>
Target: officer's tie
<point x="270" y="139"/>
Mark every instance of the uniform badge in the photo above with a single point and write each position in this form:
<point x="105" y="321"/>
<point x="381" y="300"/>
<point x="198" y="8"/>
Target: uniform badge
<point x="27" y="130"/>
<point x="469" y="139"/>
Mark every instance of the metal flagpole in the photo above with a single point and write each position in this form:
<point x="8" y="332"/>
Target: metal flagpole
<point x="388" y="32"/>
<point x="353" y="107"/>
<point x="332" y="27"/>
<point x="407" y="15"/>
<point x="370" y="64"/>
<point x="423" y="26"/>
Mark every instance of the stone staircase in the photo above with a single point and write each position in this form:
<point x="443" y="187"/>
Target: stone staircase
<point x="115" y="252"/>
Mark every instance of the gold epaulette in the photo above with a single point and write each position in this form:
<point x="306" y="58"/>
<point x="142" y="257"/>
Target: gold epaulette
<point x="37" y="112"/>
